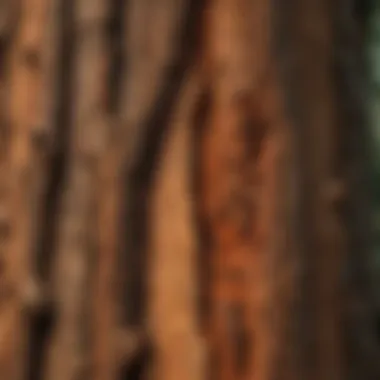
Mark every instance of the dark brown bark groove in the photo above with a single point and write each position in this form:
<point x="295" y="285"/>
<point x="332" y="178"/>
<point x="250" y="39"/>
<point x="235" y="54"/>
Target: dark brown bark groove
<point x="323" y="83"/>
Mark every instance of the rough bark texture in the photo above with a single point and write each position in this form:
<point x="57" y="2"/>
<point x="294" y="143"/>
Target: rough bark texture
<point x="25" y="171"/>
<point x="241" y="144"/>
<point x="68" y="356"/>
<point x="320" y="61"/>
<point x="183" y="191"/>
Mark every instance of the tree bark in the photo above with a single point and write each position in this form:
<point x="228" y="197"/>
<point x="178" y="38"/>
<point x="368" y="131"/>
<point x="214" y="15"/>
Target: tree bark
<point x="68" y="354"/>
<point x="28" y="148"/>
<point x="183" y="191"/>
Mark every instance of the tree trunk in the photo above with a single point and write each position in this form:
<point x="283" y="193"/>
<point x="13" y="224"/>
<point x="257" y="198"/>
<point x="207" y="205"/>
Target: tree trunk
<point x="184" y="191"/>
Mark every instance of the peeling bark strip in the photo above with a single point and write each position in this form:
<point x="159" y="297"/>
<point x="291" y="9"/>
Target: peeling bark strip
<point x="68" y="351"/>
<point x="25" y="184"/>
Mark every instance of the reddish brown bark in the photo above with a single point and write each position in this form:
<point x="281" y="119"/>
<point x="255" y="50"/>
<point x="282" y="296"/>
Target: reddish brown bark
<point x="98" y="142"/>
<point x="25" y="183"/>
<point x="172" y="275"/>
<point x="239" y="151"/>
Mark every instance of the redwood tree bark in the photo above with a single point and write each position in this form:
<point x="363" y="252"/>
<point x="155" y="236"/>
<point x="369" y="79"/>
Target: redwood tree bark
<point x="183" y="191"/>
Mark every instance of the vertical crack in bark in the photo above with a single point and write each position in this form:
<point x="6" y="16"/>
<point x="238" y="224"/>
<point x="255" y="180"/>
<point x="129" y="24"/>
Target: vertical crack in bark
<point x="200" y="121"/>
<point x="56" y="105"/>
<point x="145" y="122"/>
<point x="68" y="351"/>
